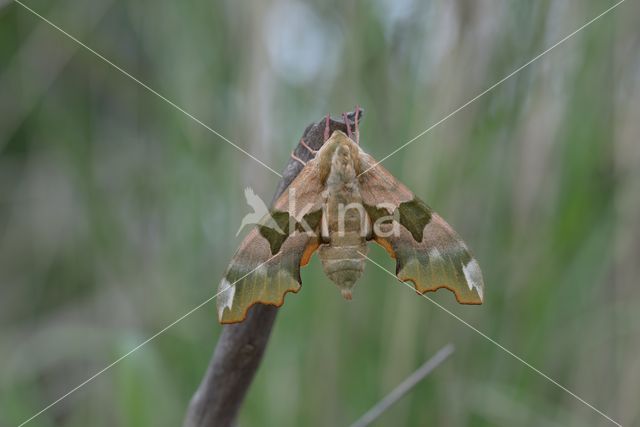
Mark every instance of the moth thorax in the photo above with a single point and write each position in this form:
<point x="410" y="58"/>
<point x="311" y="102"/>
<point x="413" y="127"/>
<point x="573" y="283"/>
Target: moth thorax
<point x="343" y="265"/>
<point x="342" y="167"/>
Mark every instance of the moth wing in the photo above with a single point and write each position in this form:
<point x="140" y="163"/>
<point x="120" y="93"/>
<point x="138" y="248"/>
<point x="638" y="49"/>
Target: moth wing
<point x="267" y="264"/>
<point x="304" y="194"/>
<point x="378" y="186"/>
<point x="428" y="252"/>
<point x="255" y="275"/>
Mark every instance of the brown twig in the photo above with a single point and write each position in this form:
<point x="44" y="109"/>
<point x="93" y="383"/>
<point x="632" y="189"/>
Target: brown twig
<point x="240" y="347"/>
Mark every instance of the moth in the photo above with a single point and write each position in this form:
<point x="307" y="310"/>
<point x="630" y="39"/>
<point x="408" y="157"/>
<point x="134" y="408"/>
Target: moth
<point x="340" y="201"/>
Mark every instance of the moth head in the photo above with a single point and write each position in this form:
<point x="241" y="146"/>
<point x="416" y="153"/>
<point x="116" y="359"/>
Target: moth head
<point x="340" y="153"/>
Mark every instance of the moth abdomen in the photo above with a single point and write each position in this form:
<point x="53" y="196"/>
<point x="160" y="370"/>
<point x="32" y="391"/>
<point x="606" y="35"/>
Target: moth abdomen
<point x="343" y="265"/>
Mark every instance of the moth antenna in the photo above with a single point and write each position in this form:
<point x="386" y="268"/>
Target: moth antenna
<point x="294" y="157"/>
<point x="348" y="123"/>
<point x="326" y="127"/>
<point x="356" y="125"/>
<point x="304" y="144"/>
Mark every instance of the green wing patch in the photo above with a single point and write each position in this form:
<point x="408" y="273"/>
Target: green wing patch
<point x="270" y="231"/>
<point x="414" y="216"/>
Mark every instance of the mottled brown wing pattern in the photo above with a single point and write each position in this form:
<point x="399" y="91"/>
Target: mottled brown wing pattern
<point x="266" y="266"/>
<point x="377" y="185"/>
<point x="305" y="192"/>
<point x="427" y="250"/>
<point x="255" y="275"/>
<point x="440" y="260"/>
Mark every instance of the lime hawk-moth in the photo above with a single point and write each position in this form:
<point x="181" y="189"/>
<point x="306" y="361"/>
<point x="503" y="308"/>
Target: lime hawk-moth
<point x="341" y="200"/>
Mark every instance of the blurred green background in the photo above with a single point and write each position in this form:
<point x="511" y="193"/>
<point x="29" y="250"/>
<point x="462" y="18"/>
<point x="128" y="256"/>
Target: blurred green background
<point x="118" y="213"/>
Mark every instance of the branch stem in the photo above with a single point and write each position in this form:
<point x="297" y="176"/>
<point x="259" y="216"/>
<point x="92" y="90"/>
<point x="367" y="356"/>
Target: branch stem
<point x="404" y="387"/>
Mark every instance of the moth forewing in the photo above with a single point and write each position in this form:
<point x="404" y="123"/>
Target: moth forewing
<point x="428" y="252"/>
<point x="296" y="215"/>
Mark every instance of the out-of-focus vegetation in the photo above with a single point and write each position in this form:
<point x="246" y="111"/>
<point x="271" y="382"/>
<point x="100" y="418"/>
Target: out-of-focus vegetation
<point x="118" y="213"/>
